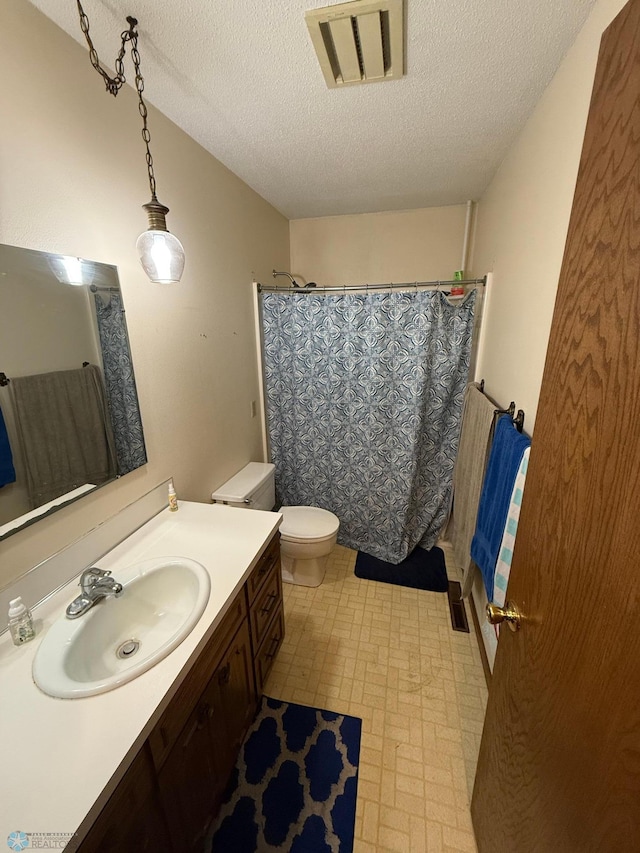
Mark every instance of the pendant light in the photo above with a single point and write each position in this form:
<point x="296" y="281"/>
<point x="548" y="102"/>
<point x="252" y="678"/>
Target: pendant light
<point x="161" y="253"/>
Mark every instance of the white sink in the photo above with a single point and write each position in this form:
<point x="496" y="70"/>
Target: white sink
<point x="120" y="638"/>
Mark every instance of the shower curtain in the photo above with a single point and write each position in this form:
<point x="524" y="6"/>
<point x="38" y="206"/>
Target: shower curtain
<point x="364" y="398"/>
<point x="120" y="384"/>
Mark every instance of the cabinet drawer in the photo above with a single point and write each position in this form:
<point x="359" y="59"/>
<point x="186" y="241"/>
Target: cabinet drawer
<point x="170" y="724"/>
<point x="265" y="605"/>
<point x="268" y="651"/>
<point x="265" y="564"/>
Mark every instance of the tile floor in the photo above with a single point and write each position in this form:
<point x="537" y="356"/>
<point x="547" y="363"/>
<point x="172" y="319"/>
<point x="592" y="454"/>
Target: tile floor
<point x="388" y="654"/>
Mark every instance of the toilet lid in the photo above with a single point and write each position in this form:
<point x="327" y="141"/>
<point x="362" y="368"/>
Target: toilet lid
<point x="308" y="522"/>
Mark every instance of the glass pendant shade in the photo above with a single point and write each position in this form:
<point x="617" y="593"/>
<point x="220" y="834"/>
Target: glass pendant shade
<point x="161" y="255"/>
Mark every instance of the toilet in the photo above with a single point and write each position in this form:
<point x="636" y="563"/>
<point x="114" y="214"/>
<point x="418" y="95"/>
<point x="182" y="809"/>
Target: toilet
<point x="307" y="533"/>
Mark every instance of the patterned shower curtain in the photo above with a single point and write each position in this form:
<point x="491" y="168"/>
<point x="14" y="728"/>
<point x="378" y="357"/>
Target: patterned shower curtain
<point x="364" y="398"/>
<point x="120" y="384"/>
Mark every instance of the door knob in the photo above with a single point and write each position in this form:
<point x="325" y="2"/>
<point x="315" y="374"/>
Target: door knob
<point x="510" y="614"/>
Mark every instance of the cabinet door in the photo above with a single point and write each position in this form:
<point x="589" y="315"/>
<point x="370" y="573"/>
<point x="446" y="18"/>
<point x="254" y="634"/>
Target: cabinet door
<point x="195" y="774"/>
<point x="132" y="818"/>
<point x="187" y="783"/>
<point x="232" y="702"/>
<point x="169" y="728"/>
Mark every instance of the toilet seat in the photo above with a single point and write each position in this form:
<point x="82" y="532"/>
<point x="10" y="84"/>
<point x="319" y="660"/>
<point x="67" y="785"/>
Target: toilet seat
<point x="308" y="524"/>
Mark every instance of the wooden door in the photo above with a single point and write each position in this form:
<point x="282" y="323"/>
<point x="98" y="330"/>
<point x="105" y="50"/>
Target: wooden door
<point x="559" y="766"/>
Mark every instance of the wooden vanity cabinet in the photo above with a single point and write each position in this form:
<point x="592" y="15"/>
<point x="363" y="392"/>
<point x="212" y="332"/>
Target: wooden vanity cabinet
<point x="193" y="777"/>
<point x="169" y="796"/>
<point x="174" y="720"/>
<point x="133" y="817"/>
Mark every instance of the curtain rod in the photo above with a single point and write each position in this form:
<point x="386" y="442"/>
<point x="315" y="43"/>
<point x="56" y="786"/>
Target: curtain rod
<point x="435" y="285"/>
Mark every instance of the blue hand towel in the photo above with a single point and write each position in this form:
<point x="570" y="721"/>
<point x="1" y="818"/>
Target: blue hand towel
<point x="504" y="461"/>
<point x="7" y="471"/>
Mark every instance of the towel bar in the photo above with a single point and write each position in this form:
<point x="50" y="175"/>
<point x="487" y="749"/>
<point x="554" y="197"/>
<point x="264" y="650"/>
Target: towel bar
<point x="518" y="420"/>
<point x="4" y="379"/>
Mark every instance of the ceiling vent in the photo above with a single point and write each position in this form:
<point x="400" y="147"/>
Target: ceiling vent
<point x="358" y="42"/>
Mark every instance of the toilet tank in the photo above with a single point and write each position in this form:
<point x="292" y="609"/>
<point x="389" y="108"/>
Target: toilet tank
<point x="251" y="488"/>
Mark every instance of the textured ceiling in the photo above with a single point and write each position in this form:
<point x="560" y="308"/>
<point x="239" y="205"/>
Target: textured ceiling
<point x="241" y="77"/>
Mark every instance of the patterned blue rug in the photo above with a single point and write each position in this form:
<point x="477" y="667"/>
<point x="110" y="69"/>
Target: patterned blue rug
<point x="294" y="785"/>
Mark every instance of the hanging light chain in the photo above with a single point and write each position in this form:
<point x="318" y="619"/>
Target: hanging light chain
<point x="114" y="84"/>
<point x="142" y="109"/>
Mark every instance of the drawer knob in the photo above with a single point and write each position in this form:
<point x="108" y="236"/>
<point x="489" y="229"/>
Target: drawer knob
<point x="224" y="674"/>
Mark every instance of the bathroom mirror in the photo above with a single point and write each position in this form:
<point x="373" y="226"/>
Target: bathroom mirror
<point x="70" y="420"/>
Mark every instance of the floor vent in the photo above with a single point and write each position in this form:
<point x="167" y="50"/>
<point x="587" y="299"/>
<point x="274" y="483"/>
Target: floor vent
<point x="358" y="42"/>
<point x="457" y="609"/>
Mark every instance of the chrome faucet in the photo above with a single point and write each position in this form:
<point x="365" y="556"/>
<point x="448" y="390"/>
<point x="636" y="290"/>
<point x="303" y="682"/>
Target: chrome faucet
<point x="95" y="584"/>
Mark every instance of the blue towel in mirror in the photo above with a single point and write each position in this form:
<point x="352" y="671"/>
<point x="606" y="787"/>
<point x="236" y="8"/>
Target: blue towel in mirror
<point x="504" y="461"/>
<point x="7" y="471"/>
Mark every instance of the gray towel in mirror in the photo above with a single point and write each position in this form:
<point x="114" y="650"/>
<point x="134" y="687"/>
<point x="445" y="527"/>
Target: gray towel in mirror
<point x="64" y="427"/>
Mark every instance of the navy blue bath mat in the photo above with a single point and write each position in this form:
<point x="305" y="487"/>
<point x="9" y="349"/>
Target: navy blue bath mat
<point x="294" y="785"/>
<point x="420" y="570"/>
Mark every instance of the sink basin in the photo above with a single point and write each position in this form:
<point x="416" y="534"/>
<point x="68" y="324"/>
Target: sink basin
<point x="120" y="638"/>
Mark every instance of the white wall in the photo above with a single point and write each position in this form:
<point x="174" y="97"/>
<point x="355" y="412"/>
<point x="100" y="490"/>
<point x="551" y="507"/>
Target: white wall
<point x="72" y="180"/>
<point x="522" y="223"/>
<point x="521" y="231"/>
<point x="376" y="248"/>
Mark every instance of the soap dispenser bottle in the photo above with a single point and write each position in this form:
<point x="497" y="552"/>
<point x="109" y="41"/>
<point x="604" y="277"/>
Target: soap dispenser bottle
<point x="20" y="622"/>
<point x="173" y="498"/>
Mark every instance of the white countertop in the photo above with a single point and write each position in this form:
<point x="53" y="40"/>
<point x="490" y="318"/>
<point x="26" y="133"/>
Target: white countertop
<point x="59" y="756"/>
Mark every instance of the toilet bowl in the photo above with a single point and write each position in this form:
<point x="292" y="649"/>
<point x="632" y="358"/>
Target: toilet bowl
<point x="307" y="533"/>
<point x="307" y="537"/>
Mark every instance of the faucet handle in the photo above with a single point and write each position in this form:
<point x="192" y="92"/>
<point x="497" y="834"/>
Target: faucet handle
<point x="91" y="575"/>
